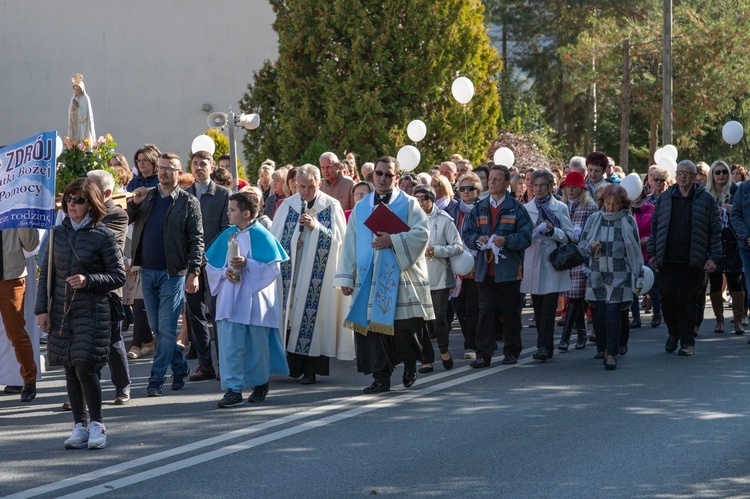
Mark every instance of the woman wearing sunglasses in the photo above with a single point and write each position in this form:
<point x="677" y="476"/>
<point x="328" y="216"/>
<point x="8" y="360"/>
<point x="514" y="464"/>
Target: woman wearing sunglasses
<point x="86" y="265"/>
<point x="729" y="266"/>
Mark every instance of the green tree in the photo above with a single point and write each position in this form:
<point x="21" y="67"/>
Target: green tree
<point x="351" y="75"/>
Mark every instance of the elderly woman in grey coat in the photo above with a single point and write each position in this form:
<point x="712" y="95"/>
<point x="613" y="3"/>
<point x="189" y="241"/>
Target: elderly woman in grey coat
<point x="610" y="239"/>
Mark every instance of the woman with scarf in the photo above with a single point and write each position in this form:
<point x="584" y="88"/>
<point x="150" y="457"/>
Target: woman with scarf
<point x="610" y="240"/>
<point x="466" y="303"/>
<point x="580" y="206"/>
<point x="552" y="225"/>
<point x="444" y="243"/>
<point x="729" y="266"/>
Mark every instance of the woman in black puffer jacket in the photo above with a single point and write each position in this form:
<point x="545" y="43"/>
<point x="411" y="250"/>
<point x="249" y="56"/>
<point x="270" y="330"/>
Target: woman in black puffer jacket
<point x="86" y="265"/>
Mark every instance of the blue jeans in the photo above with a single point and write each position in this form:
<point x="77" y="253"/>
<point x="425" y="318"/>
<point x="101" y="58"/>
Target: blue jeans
<point x="162" y="296"/>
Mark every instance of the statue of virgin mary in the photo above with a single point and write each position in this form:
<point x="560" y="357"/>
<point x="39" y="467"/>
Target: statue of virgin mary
<point x="80" y="113"/>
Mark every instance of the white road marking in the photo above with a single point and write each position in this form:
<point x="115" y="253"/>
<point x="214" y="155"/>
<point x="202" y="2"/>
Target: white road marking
<point x="380" y="403"/>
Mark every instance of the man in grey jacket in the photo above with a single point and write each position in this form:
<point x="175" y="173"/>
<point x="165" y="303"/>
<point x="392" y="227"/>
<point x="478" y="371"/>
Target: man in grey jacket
<point x="685" y="244"/>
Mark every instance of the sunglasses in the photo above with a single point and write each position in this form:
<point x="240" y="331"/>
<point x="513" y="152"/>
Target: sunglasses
<point x="422" y="198"/>
<point x="660" y="180"/>
<point x="387" y="175"/>
<point x="467" y="188"/>
<point x="75" y="199"/>
<point x="721" y="172"/>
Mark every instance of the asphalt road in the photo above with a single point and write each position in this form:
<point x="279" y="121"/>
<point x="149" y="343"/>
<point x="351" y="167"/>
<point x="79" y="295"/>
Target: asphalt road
<point x="658" y="426"/>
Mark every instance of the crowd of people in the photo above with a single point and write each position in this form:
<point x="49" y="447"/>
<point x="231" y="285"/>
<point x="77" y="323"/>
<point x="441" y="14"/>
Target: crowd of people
<point x="335" y="261"/>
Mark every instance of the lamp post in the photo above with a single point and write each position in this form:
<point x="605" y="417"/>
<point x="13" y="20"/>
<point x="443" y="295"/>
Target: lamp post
<point x="232" y="121"/>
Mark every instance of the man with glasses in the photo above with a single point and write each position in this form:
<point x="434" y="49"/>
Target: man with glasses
<point x="166" y="217"/>
<point x="386" y="273"/>
<point x="684" y="245"/>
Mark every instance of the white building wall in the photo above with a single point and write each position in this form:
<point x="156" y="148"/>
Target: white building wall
<point x="149" y="65"/>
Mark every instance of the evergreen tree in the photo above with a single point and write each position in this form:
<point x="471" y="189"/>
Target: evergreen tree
<point x="351" y="75"/>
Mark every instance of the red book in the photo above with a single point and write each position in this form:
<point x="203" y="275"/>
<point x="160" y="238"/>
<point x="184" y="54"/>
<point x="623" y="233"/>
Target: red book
<point x="384" y="220"/>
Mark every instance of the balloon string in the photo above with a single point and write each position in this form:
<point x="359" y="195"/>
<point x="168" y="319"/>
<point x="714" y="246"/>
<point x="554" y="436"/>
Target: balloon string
<point x="466" y="133"/>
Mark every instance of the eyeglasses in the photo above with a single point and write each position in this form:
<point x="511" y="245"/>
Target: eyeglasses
<point x="75" y="199"/>
<point x="380" y="173"/>
<point x="360" y="194"/>
<point x="467" y="188"/>
<point x="721" y="172"/>
<point x="660" y="180"/>
<point x="539" y="186"/>
<point x="684" y="173"/>
<point x="422" y="198"/>
<point x="167" y="169"/>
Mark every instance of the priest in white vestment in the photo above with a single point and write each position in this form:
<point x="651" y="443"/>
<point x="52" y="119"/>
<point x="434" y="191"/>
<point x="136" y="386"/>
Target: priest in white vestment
<point x="386" y="273"/>
<point x="310" y="226"/>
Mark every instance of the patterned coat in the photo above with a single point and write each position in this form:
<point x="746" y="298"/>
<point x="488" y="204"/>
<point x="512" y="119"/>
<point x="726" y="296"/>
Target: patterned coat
<point x="578" y="216"/>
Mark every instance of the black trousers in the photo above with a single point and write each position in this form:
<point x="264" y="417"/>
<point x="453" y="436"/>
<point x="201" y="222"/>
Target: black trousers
<point x="467" y="310"/>
<point x="141" y="330"/>
<point x="544" y="316"/>
<point x="83" y="384"/>
<point x="197" y="316"/>
<point x="119" y="369"/>
<point x="505" y="297"/>
<point x="680" y="288"/>
<point x="378" y="354"/>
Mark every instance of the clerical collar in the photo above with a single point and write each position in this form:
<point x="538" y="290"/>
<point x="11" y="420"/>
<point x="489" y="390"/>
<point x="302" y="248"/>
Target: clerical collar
<point x="383" y="198"/>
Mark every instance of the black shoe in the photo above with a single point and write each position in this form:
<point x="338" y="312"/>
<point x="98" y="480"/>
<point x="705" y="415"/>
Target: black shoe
<point x="178" y="380"/>
<point x="447" y="364"/>
<point x="686" y="351"/>
<point x="622" y="350"/>
<point x="599" y="355"/>
<point x="425" y="369"/>
<point x="480" y="362"/>
<point x="308" y="379"/>
<point x="634" y="324"/>
<point x="259" y="394"/>
<point x="564" y="344"/>
<point x="541" y="354"/>
<point x="66" y="406"/>
<point x="671" y="344"/>
<point x="377" y="387"/>
<point x="612" y="366"/>
<point x="203" y="373"/>
<point x="13" y="389"/>
<point x="231" y="399"/>
<point x="581" y="343"/>
<point x="28" y="392"/>
<point x="509" y="359"/>
<point x="410" y="376"/>
<point x="656" y="320"/>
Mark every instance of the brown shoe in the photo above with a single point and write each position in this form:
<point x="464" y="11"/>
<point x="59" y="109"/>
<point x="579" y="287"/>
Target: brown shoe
<point x="203" y="373"/>
<point x="122" y="398"/>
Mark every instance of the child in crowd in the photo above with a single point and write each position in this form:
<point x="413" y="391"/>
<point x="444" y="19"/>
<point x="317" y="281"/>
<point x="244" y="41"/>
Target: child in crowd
<point x="247" y="315"/>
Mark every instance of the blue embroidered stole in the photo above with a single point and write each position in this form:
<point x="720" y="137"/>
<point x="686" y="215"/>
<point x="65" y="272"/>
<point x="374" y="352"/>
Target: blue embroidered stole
<point x="319" y="263"/>
<point x="263" y="246"/>
<point x="386" y="276"/>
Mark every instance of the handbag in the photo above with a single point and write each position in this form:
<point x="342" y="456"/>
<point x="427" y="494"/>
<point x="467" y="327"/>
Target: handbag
<point x="566" y="256"/>
<point x="117" y="311"/>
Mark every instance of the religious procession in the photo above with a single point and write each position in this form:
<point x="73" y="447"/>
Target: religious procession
<point x="369" y="264"/>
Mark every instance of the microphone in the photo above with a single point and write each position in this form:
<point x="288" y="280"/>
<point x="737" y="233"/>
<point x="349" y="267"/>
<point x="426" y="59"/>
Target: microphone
<point x="302" y="212"/>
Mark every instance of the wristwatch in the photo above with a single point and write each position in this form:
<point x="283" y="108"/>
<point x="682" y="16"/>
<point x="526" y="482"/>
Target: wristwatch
<point x="197" y="272"/>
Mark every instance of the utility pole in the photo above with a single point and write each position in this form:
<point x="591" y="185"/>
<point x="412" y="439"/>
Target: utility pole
<point x="667" y="76"/>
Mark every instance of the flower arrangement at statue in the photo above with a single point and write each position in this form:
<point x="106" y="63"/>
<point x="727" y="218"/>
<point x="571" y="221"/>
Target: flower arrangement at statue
<point x="77" y="159"/>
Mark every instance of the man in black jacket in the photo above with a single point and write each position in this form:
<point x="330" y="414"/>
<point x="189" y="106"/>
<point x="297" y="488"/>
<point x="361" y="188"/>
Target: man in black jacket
<point x="214" y="204"/>
<point x="685" y="244"/>
<point x="166" y="217"/>
<point x="116" y="220"/>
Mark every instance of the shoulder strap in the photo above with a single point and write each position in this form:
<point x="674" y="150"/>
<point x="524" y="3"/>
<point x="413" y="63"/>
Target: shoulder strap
<point x="75" y="254"/>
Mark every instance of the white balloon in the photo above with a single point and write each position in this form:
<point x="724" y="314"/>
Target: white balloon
<point x="668" y="164"/>
<point x="648" y="280"/>
<point x="633" y="185"/>
<point x="658" y="154"/>
<point x="504" y="156"/>
<point x="732" y="132"/>
<point x="58" y="147"/>
<point x="416" y="130"/>
<point x="462" y="264"/>
<point x="462" y="89"/>
<point x="408" y="158"/>
<point x="670" y="151"/>
<point x="203" y="143"/>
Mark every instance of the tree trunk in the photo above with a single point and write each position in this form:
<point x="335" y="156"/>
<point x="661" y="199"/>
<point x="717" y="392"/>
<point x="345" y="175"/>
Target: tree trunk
<point x="625" y="106"/>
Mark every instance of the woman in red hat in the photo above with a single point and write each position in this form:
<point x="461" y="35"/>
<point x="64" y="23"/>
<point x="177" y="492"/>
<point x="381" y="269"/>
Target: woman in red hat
<point x="580" y="205"/>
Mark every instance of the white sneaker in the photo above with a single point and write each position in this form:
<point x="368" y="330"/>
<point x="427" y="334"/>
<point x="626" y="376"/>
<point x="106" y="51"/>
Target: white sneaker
<point x="97" y="436"/>
<point x="79" y="438"/>
<point x="470" y="354"/>
<point x="134" y="353"/>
